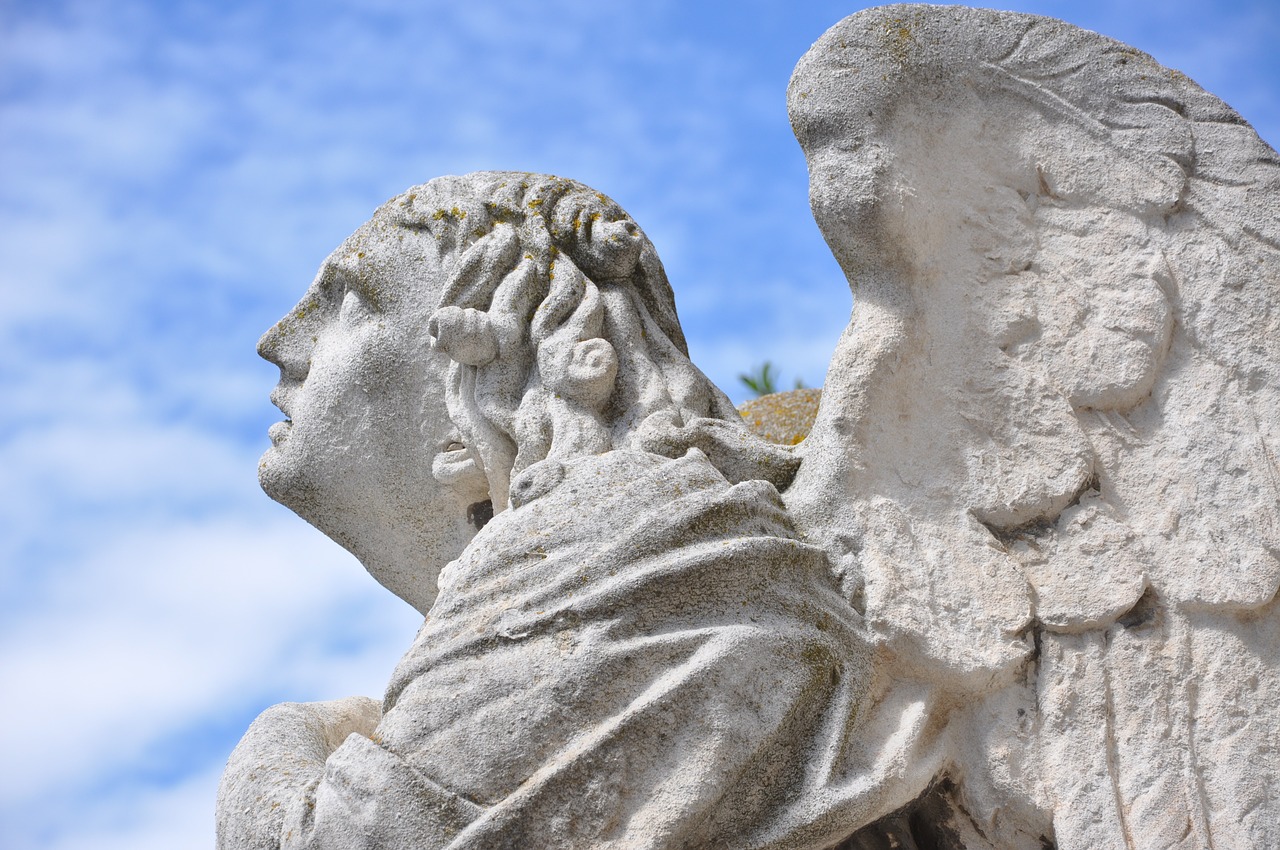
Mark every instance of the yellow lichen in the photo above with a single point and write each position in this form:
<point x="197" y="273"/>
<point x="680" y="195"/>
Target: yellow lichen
<point x="782" y="418"/>
<point x="454" y="213"/>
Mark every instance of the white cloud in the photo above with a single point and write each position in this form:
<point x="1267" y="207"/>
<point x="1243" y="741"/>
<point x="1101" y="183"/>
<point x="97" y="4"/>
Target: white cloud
<point x="165" y="627"/>
<point x="165" y="817"/>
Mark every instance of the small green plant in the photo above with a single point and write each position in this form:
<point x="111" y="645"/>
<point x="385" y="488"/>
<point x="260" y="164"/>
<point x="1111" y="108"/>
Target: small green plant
<point x="760" y="381"/>
<point x="763" y="380"/>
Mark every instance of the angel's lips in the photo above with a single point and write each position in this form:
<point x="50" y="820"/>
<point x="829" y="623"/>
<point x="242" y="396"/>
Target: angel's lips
<point x="279" y="431"/>
<point x="280" y="398"/>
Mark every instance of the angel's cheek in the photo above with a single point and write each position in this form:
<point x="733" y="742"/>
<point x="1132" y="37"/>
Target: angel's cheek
<point x="1109" y="370"/>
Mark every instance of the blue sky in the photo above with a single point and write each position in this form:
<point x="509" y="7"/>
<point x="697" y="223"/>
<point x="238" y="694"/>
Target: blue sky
<point x="171" y="175"/>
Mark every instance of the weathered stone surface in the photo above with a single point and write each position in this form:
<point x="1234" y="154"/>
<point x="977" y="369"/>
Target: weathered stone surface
<point x="1016" y="589"/>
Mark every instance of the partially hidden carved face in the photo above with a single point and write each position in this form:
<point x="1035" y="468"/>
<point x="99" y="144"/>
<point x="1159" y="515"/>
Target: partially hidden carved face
<point x="368" y="453"/>
<point x="1020" y="272"/>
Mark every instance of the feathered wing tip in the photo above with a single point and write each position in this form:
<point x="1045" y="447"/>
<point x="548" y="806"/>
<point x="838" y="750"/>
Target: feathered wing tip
<point x="1055" y="415"/>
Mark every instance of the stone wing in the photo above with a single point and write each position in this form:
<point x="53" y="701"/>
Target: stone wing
<point x="1045" y="457"/>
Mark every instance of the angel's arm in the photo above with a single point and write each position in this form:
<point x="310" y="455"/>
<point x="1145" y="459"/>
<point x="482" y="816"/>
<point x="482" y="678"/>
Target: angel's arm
<point x="311" y="776"/>
<point x="272" y="775"/>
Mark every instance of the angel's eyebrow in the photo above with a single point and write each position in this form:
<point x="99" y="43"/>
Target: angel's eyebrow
<point x="332" y="279"/>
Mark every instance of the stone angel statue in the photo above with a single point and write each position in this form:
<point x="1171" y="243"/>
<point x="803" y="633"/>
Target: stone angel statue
<point x="1015" y="590"/>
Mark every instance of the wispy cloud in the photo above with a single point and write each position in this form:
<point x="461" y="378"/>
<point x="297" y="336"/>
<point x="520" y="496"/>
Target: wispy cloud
<point x="130" y="660"/>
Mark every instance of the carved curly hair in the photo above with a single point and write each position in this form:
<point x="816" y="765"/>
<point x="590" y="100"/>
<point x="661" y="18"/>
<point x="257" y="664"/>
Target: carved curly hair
<point x="562" y="332"/>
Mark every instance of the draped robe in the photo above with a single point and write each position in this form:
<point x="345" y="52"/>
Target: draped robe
<point x="637" y="654"/>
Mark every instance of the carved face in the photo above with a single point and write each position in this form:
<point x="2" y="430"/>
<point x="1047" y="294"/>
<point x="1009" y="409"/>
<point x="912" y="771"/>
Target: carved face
<point x="367" y="422"/>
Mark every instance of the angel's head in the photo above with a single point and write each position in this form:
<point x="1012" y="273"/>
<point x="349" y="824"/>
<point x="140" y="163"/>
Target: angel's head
<point x="475" y="326"/>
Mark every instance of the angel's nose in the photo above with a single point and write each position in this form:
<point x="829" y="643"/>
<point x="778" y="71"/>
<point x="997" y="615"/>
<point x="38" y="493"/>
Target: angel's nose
<point x="288" y="343"/>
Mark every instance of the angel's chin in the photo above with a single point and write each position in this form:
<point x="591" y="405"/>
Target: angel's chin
<point x="275" y="475"/>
